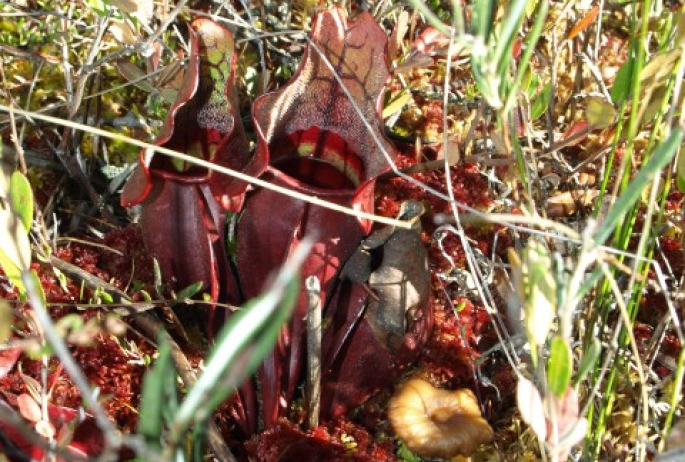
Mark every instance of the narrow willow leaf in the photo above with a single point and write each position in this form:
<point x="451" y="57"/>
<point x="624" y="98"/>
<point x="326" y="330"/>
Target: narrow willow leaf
<point x="241" y="346"/>
<point x="680" y="28"/>
<point x="397" y="104"/>
<point x="190" y="291"/>
<point x="156" y="384"/>
<point x="654" y="104"/>
<point x="587" y="363"/>
<point x="560" y="366"/>
<point x="5" y="323"/>
<point x="11" y="270"/>
<point x="540" y="294"/>
<point x="530" y="405"/>
<point x="659" y="69"/>
<point x="526" y="80"/>
<point x="38" y="287"/>
<point x="541" y="102"/>
<point x="680" y="173"/>
<point x="133" y="73"/>
<point x="661" y="157"/>
<point x="533" y="86"/>
<point x="265" y="330"/>
<point x="623" y="82"/>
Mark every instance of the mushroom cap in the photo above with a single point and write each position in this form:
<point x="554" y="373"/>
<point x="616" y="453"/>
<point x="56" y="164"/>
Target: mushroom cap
<point x="438" y="423"/>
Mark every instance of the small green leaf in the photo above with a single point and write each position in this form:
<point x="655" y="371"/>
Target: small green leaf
<point x="157" y="384"/>
<point x="541" y="102"/>
<point x="526" y="80"/>
<point x="99" y="6"/>
<point x="653" y="105"/>
<point x="560" y="366"/>
<point x="622" y="83"/>
<point x="533" y="86"/>
<point x="21" y="198"/>
<point x="68" y="323"/>
<point x="169" y="94"/>
<point x="588" y="361"/>
<point x="105" y="297"/>
<point x="190" y="291"/>
<point x="539" y="294"/>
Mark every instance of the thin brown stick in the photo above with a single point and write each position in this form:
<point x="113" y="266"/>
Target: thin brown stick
<point x="313" y="350"/>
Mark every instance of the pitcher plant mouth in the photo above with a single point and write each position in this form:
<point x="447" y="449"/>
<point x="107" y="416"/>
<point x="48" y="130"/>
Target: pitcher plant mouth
<point x="318" y="158"/>
<point x="203" y="123"/>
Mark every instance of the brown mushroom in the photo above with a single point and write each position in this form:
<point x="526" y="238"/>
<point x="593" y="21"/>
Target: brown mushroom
<point x="438" y="423"/>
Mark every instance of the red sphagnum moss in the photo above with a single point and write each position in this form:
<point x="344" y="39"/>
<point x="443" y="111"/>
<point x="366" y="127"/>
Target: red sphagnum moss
<point x="106" y="364"/>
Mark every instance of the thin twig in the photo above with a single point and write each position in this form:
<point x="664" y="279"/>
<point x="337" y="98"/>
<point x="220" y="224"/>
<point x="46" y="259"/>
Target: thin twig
<point x="213" y="167"/>
<point x="313" y="287"/>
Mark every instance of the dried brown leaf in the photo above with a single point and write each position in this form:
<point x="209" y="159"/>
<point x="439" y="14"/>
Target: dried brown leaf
<point x="584" y="23"/>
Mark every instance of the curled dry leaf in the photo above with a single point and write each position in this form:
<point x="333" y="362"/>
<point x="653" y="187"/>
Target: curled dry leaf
<point x="28" y="407"/>
<point x="142" y="9"/>
<point x="397" y="36"/>
<point x="584" y="23"/>
<point x="568" y="203"/>
<point x="8" y="358"/>
<point x="430" y="41"/>
<point x="123" y="31"/>
<point x="438" y="423"/>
